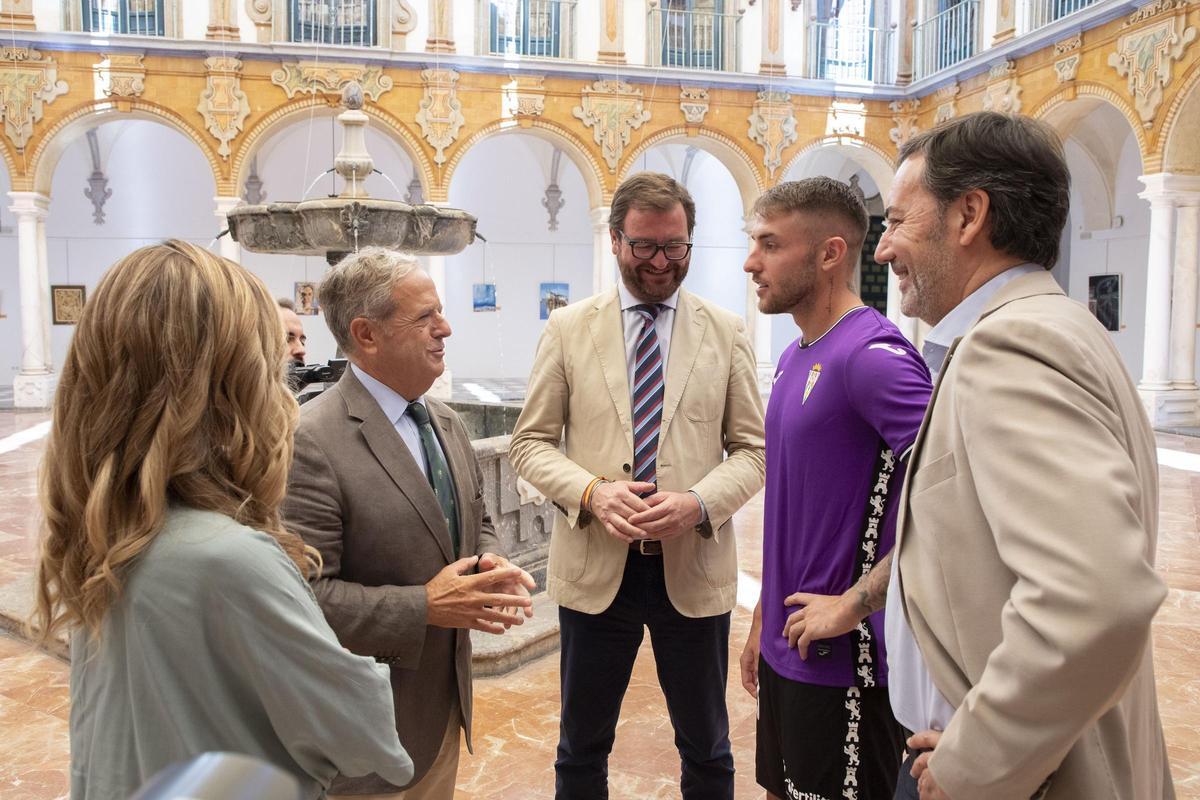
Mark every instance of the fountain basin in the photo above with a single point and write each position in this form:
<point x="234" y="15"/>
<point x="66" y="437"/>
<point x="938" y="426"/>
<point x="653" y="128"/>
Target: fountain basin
<point x="338" y="225"/>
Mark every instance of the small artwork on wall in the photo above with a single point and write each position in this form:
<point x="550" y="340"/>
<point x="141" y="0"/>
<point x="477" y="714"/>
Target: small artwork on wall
<point x="66" y="303"/>
<point x="552" y="296"/>
<point x="306" y="298"/>
<point x="1104" y="300"/>
<point x="483" y="296"/>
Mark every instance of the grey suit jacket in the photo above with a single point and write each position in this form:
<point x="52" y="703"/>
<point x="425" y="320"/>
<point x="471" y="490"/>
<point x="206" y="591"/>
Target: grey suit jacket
<point x="1026" y="544"/>
<point x="356" y="494"/>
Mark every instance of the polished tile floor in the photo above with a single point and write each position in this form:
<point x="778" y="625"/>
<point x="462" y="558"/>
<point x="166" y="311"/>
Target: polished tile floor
<point x="517" y="715"/>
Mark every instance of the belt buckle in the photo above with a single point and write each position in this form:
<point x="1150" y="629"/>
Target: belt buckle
<point x="655" y="547"/>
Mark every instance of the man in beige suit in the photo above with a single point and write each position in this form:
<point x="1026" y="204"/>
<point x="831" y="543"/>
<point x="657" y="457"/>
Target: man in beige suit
<point x="1029" y="518"/>
<point x="385" y="485"/>
<point x="651" y="387"/>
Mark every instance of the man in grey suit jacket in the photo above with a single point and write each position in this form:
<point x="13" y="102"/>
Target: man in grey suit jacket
<point x="385" y="485"/>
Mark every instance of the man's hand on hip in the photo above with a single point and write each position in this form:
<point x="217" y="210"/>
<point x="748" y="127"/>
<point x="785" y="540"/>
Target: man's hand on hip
<point x="669" y="514"/>
<point x="613" y="503"/>
<point x="456" y="599"/>
<point x="822" y="617"/>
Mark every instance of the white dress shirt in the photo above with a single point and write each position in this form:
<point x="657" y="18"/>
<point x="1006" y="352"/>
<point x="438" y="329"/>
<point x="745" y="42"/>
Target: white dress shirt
<point x="916" y="702"/>
<point x="394" y="407"/>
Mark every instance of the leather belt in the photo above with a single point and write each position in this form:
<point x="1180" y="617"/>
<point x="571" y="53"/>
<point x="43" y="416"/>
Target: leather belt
<point x="646" y="547"/>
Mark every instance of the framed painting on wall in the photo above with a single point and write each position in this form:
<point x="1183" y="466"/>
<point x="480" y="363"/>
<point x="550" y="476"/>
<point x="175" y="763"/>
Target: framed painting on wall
<point x="1104" y="300"/>
<point x="66" y="303"/>
<point x="307" y="304"/>
<point x="552" y="296"/>
<point x="483" y="296"/>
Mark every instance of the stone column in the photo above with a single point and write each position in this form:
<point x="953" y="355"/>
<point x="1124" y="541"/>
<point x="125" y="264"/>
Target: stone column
<point x="222" y="21"/>
<point x="34" y="386"/>
<point x="773" y="62"/>
<point x="441" y="27"/>
<point x="43" y="262"/>
<point x="16" y="14"/>
<point x="604" y="263"/>
<point x="904" y="47"/>
<point x="909" y="326"/>
<point x="435" y="268"/>
<point x="228" y="247"/>
<point x="1006" y="21"/>
<point x="1155" y="385"/>
<point x="612" y="31"/>
<point x="1184" y="405"/>
<point x="759" y="329"/>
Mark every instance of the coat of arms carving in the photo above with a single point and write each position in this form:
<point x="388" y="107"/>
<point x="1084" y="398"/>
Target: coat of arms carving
<point x="773" y="126"/>
<point x="223" y="104"/>
<point x="613" y="110"/>
<point x="440" y="115"/>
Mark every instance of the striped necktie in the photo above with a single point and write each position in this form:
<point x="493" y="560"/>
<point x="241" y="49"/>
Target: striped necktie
<point x="648" y="391"/>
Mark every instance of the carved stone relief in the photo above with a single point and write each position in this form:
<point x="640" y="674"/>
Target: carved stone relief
<point x="1146" y="56"/>
<point x="404" y="20"/>
<point x="773" y="126"/>
<point x="693" y="102"/>
<point x="440" y="115"/>
<point x="525" y="96"/>
<point x="28" y="82"/>
<point x="846" y="119"/>
<point x="904" y="120"/>
<point x="261" y="13"/>
<point x="947" y="104"/>
<point x="553" y="200"/>
<point x="612" y="109"/>
<point x="122" y="74"/>
<point x="311" y="77"/>
<point x="1067" y="53"/>
<point x="1003" y="93"/>
<point x="223" y="104"/>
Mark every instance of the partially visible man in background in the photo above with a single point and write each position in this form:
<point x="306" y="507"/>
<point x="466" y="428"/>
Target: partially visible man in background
<point x="296" y="340"/>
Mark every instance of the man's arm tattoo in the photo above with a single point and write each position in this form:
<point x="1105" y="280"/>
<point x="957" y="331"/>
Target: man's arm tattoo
<point x="872" y="588"/>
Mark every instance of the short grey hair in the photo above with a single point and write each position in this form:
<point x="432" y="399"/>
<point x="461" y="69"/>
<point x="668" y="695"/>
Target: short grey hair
<point x="361" y="285"/>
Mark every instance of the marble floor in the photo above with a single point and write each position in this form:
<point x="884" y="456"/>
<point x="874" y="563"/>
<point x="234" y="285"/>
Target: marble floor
<point x="517" y="714"/>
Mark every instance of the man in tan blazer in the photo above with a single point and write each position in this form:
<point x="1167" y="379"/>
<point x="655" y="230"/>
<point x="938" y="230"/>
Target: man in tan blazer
<point x="1028" y="523"/>
<point x="651" y="387"/>
<point x="385" y="485"/>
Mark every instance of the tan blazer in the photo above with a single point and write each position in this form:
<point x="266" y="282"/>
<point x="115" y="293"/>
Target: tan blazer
<point x="1027" y="541"/>
<point x="358" y="496"/>
<point x="579" y="391"/>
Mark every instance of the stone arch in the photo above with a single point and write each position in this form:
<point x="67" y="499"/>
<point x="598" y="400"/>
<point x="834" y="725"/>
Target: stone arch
<point x="1066" y="112"/>
<point x="1053" y="111"/>
<point x="283" y="116"/>
<point x="1176" y="150"/>
<point x="10" y="163"/>
<point x="741" y="166"/>
<point x="574" y="148"/>
<point x="49" y="149"/>
<point x="874" y="161"/>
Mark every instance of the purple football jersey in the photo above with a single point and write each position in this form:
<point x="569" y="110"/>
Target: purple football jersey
<point x="843" y="412"/>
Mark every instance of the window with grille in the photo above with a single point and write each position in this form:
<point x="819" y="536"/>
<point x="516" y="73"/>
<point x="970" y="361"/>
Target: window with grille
<point x="341" y="22"/>
<point x="138" y="17"/>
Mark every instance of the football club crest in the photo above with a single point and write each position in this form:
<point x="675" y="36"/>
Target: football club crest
<point x="814" y="375"/>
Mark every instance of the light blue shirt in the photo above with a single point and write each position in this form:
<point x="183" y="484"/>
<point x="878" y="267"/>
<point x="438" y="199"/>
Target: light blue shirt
<point x="393" y="405"/>
<point x="632" y="321"/>
<point x="916" y="702"/>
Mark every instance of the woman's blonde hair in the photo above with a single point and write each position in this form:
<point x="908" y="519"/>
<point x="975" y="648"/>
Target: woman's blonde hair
<point x="173" y="390"/>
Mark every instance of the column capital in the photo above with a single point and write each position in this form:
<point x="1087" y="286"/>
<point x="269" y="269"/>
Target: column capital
<point x="599" y="217"/>
<point x="1169" y="188"/>
<point x="226" y="203"/>
<point x="29" y="204"/>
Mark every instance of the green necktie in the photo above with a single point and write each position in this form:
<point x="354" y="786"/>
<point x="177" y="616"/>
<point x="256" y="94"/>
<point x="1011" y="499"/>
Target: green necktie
<point x="438" y="470"/>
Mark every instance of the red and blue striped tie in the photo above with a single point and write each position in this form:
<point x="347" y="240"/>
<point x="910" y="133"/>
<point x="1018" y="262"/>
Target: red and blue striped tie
<point x="648" y="391"/>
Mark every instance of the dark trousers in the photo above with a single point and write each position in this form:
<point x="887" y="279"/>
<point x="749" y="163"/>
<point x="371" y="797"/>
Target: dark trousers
<point x="692" y="658"/>
<point x="906" y="784"/>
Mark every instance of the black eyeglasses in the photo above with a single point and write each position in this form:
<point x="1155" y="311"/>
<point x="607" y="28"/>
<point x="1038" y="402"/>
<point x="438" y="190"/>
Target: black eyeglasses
<point x="646" y="250"/>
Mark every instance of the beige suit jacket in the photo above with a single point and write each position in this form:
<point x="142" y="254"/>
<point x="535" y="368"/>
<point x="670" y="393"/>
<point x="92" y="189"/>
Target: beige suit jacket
<point x="1027" y="542"/>
<point x="357" y="495"/>
<point x="579" y="394"/>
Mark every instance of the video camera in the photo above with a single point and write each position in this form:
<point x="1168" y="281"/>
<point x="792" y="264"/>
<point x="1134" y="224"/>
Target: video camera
<point x="309" y="380"/>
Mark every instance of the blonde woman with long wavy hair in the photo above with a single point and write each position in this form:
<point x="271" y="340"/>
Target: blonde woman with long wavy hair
<point x="192" y="626"/>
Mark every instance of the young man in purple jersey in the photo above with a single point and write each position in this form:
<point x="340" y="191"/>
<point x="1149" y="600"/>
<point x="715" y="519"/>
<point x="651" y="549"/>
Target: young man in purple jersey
<point x="846" y="405"/>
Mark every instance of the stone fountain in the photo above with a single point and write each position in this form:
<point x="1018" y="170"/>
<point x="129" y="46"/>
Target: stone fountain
<point x="334" y="226"/>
